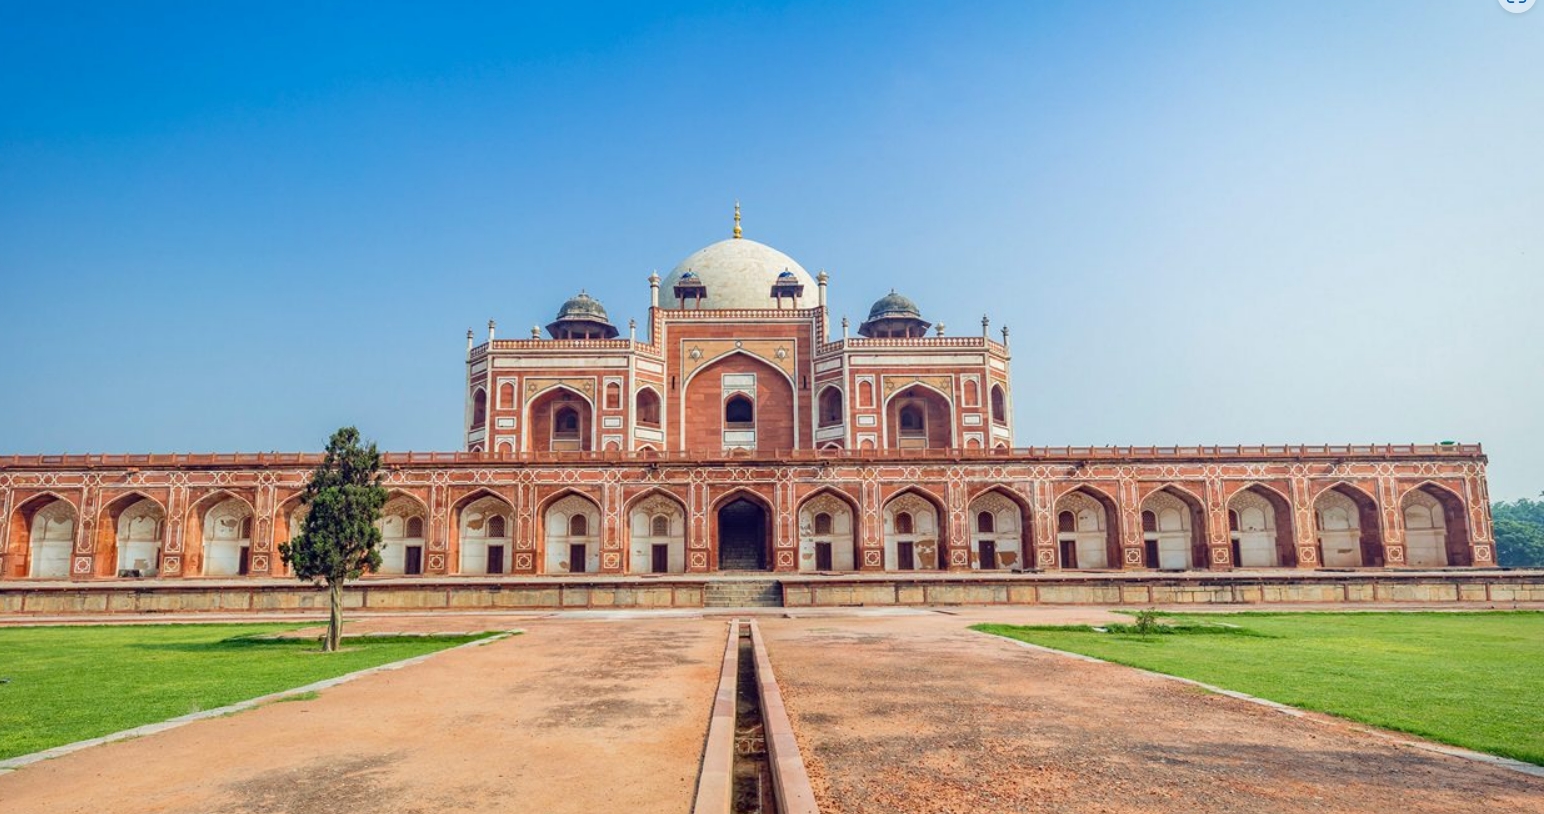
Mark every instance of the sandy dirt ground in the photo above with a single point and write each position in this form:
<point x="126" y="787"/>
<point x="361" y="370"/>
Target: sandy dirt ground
<point x="922" y="715"/>
<point x="571" y="716"/>
<point x="901" y="710"/>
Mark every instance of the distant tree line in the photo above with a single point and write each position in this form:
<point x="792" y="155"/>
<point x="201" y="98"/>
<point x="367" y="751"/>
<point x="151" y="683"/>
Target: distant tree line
<point x="1519" y="526"/>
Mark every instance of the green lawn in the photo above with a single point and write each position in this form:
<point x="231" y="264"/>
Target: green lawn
<point x="63" y="684"/>
<point x="1471" y="679"/>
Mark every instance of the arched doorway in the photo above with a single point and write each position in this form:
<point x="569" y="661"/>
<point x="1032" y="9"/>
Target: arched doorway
<point x="742" y="536"/>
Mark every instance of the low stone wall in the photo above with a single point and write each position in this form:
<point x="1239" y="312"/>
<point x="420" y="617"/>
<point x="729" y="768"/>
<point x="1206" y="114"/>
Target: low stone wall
<point x="277" y="596"/>
<point x="799" y="591"/>
<point x="1160" y="589"/>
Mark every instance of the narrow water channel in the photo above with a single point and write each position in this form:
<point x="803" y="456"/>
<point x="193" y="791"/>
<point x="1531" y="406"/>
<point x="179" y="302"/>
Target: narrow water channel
<point x="752" y="773"/>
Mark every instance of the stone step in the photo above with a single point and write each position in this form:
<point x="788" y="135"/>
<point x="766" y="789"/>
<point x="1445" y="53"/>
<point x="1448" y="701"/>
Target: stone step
<point x="743" y="594"/>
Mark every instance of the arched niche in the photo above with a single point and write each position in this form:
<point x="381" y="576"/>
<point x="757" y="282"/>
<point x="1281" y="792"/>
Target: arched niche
<point x="997" y="525"/>
<point x="919" y="417"/>
<point x="561" y="420"/>
<point x="829" y="407"/>
<point x="404" y="530"/>
<point x="571" y="539"/>
<point x="484" y="526"/>
<point x="226" y="537"/>
<point x="1436" y="528"/>
<point x="1174" y="530"/>
<point x="135" y="527"/>
<point x="1260" y="528"/>
<point x="1086" y="532"/>
<point x="828" y="533"/>
<point x="1347" y="527"/>
<point x="44" y="527"/>
<point x="912" y="534"/>
<point x="656" y="526"/>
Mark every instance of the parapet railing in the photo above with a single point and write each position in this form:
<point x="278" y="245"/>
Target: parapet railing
<point x="480" y="351"/>
<point x="1070" y="455"/>
<point x="917" y="342"/>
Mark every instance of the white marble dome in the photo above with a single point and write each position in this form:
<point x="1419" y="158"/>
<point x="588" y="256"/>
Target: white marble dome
<point x="738" y="273"/>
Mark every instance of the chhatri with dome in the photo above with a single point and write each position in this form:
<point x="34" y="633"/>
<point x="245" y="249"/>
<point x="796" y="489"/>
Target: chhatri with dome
<point x="738" y="430"/>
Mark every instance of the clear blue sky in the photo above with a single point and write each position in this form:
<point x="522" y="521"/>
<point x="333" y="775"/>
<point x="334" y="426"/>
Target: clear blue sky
<point x="234" y="227"/>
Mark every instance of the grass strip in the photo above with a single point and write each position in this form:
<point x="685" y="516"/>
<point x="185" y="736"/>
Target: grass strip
<point x="1474" y="680"/>
<point x="64" y="684"/>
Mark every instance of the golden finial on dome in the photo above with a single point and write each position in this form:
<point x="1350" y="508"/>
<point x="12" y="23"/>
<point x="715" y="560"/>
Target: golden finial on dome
<point x="736" y="218"/>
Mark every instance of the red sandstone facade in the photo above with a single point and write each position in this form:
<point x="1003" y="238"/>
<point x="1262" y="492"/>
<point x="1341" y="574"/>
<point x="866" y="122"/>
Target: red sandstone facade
<point x="739" y="436"/>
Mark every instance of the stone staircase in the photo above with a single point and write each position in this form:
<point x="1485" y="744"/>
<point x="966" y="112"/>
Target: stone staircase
<point x="743" y="593"/>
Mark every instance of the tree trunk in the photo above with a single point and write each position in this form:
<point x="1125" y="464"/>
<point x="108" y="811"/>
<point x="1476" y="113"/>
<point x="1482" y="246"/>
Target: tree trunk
<point x="335" y="617"/>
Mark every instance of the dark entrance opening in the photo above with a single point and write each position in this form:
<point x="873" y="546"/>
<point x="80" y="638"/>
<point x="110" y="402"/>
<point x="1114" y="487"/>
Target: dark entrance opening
<point x="988" y="554"/>
<point x="495" y="559"/>
<point x="742" y="537"/>
<point x="905" y="556"/>
<point x="1069" y="553"/>
<point x="414" y="560"/>
<point x="1149" y="554"/>
<point x="244" y="565"/>
<point x="576" y="556"/>
<point x="823" y="557"/>
<point x="660" y="562"/>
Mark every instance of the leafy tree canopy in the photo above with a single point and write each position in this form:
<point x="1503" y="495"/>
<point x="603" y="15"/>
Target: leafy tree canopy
<point x="339" y="540"/>
<point x="1519" y="527"/>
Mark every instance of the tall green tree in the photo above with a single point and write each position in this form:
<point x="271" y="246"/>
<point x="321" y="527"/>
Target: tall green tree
<point x="339" y="540"/>
<point x="1519" y="527"/>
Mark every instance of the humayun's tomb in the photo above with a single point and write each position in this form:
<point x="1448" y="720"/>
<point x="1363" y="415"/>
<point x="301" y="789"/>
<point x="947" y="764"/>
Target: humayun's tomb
<point x="734" y="432"/>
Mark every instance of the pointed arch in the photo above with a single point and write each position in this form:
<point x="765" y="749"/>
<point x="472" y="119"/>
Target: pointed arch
<point x="479" y="408"/>
<point x="1443" y="539"/>
<point x="1001" y="525"/>
<point x="1348" y="487"/>
<point x="559" y="548"/>
<point x="830" y="544"/>
<point x="914" y="530"/>
<point x="559" y="404"/>
<point x="829" y="406"/>
<point x="1180" y="532"/>
<point x="740" y="530"/>
<point x="289" y="516"/>
<point x="480" y="533"/>
<point x="215" y="540"/>
<point x="130" y="530"/>
<point x="42" y="529"/>
<point x="1087" y="529"/>
<point x="656" y="523"/>
<point x="739" y="352"/>
<point x="704" y="398"/>
<point x="1349" y="528"/>
<point x="647" y="407"/>
<point x="1263" y="534"/>
<point x="918" y="416"/>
